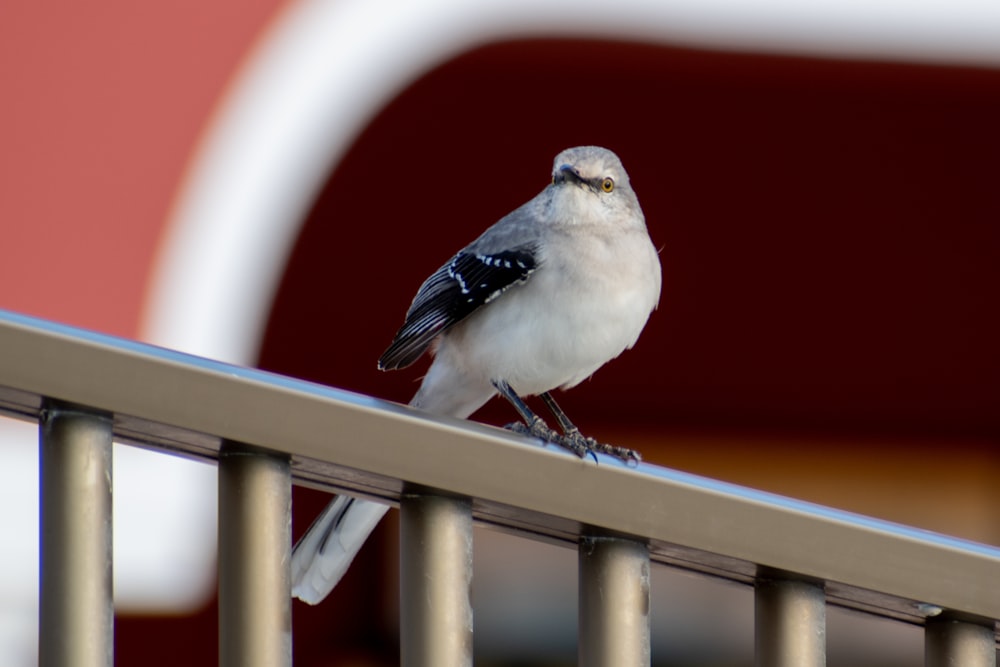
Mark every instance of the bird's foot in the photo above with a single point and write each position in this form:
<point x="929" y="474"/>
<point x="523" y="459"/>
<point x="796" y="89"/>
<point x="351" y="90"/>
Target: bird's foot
<point x="582" y="445"/>
<point x="536" y="429"/>
<point x="539" y="429"/>
<point x="574" y="441"/>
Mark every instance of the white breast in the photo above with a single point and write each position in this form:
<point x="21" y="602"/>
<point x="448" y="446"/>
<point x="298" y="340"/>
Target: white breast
<point x="537" y="341"/>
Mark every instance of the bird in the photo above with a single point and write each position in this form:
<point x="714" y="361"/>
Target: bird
<point x="539" y="301"/>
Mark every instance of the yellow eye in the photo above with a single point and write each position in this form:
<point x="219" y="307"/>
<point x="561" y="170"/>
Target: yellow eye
<point x="608" y="184"/>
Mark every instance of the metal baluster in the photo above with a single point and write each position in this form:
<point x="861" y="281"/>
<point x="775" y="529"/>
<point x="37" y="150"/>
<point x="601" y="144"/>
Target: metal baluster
<point x="614" y="603"/>
<point x="255" y="519"/>
<point x="952" y="641"/>
<point x="76" y="614"/>
<point x="790" y="628"/>
<point x="435" y="581"/>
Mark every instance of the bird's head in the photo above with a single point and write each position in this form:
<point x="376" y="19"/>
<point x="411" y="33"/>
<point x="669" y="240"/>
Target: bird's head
<point x="586" y="175"/>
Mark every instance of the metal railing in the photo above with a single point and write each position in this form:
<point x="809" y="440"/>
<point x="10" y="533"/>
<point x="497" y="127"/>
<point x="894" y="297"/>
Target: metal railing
<point x="268" y="432"/>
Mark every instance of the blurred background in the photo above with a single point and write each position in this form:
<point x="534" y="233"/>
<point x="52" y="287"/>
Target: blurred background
<point x="267" y="182"/>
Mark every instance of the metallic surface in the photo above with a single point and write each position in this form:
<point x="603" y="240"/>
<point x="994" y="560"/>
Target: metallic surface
<point x="255" y="532"/>
<point x="435" y="575"/>
<point x="614" y="603"/>
<point x="76" y="616"/>
<point x="790" y="622"/>
<point x="959" y="642"/>
<point x="178" y="403"/>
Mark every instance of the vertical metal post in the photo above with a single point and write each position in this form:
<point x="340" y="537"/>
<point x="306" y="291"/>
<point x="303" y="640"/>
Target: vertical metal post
<point x="435" y="580"/>
<point x="950" y="641"/>
<point x="255" y="533"/>
<point x="790" y="628"/>
<point x="614" y="603"/>
<point x="76" y="614"/>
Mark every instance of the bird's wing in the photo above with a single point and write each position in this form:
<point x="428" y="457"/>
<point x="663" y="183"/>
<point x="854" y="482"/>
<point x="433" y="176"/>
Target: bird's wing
<point x="470" y="280"/>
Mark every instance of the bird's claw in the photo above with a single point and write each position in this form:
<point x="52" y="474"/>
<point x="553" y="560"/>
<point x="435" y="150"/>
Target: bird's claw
<point x="539" y="429"/>
<point x="575" y="442"/>
<point x="536" y="429"/>
<point x="579" y="444"/>
<point x="623" y="454"/>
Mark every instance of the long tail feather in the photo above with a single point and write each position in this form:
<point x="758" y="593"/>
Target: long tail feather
<point x="325" y="552"/>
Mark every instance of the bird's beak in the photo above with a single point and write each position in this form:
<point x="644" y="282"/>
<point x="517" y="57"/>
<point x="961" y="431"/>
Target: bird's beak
<point x="565" y="173"/>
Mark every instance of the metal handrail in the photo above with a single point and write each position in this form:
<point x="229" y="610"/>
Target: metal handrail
<point x="346" y="442"/>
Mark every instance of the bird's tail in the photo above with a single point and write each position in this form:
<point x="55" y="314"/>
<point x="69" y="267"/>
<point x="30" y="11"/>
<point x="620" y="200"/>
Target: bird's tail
<point x="325" y="552"/>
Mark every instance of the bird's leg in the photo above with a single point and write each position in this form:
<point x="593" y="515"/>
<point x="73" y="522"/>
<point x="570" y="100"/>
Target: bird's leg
<point x="534" y="425"/>
<point x="564" y="423"/>
<point x="576" y="440"/>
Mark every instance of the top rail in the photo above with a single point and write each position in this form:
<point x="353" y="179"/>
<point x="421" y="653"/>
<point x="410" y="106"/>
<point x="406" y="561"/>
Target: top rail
<point x="342" y="441"/>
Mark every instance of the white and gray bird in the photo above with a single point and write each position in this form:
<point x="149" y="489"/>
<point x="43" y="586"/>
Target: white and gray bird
<point x="540" y="301"/>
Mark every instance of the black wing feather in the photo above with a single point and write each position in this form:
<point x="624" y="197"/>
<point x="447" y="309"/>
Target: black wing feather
<point x="470" y="280"/>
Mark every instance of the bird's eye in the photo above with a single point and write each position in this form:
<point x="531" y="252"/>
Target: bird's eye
<point x="608" y="184"/>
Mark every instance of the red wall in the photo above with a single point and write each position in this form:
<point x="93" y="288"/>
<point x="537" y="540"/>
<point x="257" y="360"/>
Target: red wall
<point x="102" y="104"/>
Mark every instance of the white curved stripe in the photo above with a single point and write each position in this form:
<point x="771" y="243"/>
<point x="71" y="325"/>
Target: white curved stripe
<point x="328" y="65"/>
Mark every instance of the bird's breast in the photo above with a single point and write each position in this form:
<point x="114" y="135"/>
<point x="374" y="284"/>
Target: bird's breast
<point x="580" y="309"/>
